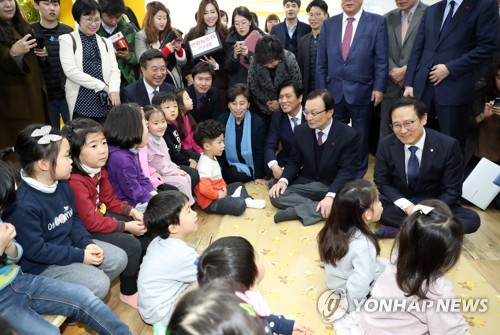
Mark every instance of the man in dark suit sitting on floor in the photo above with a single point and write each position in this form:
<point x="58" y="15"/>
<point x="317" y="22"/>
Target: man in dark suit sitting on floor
<point x="283" y="124"/>
<point x="417" y="163"/>
<point x="154" y="71"/>
<point x="324" y="157"/>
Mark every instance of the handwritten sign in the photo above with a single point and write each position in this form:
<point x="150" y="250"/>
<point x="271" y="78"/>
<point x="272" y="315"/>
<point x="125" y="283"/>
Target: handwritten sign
<point x="205" y="44"/>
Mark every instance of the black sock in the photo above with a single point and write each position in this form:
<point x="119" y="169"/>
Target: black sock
<point x="288" y="214"/>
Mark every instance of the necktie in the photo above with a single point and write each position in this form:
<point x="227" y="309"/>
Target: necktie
<point x="201" y="106"/>
<point x="406" y="24"/>
<point x="320" y="137"/>
<point x="155" y="92"/>
<point x="346" y="42"/>
<point x="295" y="120"/>
<point x="448" y="17"/>
<point x="413" y="167"/>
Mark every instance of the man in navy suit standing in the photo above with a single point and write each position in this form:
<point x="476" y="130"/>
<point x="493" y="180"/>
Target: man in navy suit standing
<point x="290" y="31"/>
<point x="352" y="64"/>
<point x="415" y="164"/>
<point x="324" y="157"/>
<point x="455" y="37"/>
<point x="283" y="124"/>
<point x="154" y="71"/>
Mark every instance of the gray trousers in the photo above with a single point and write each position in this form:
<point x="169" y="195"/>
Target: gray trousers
<point x="304" y="198"/>
<point x="96" y="278"/>
<point x="229" y="205"/>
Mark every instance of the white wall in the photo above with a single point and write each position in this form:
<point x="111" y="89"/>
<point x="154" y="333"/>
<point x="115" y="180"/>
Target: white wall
<point x="182" y="11"/>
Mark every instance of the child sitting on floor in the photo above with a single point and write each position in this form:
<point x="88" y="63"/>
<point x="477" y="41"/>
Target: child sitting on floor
<point x="212" y="193"/>
<point x="350" y="250"/>
<point x="427" y="247"/>
<point x="158" y="153"/>
<point x="235" y="258"/>
<point x="185" y="122"/>
<point x="219" y="307"/>
<point x="23" y="296"/>
<point x="170" y="263"/>
<point x="55" y="241"/>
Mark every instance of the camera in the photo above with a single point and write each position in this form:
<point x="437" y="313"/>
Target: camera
<point x="240" y="43"/>
<point x="497" y="103"/>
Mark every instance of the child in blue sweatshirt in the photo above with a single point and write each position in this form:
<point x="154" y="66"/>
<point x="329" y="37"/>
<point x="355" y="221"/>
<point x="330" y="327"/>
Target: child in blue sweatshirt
<point x="48" y="227"/>
<point x="23" y="296"/>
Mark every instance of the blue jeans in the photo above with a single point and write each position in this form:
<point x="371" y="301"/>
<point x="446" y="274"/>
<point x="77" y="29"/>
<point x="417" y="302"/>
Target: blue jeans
<point x="28" y="296"/>
<point x="59" y="107"/>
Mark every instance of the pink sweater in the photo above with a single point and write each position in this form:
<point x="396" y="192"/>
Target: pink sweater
<point x="424" y="321"/>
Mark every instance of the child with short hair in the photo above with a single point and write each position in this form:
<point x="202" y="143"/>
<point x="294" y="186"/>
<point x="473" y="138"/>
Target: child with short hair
<point x="169" y="266"/>
<point x="167" y="102"/>
<point x="428" y="246"/>
<point x="126" y="131"/>
<point x="212" y="193"/>
<point x="235" y="258"/>
<point x="49" y="229"/>
<point x="23" y="296"/>
<point x="105" y="216"/>
<point x="350" y="250"/>
<point x="158" y="153"/>
<point x="186" y="123"/>
<point x="220" y="307"/>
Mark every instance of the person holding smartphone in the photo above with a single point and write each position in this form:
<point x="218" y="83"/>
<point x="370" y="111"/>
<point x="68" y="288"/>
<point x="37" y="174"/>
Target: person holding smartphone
<point x="113" y="23"/>
<point x="158" y="33"/>
<point x="23" y="93"/>
<point x="47" y="33"/>
<point x="483" y="137"/>
<point x="241" y="26"/>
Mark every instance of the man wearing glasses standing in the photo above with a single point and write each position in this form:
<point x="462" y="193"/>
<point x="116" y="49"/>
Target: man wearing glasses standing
<point x="417" y="163"/>
<point x="324" y="157"/>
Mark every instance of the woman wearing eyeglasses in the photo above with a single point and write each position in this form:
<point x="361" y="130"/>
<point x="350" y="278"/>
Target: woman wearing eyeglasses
<point x="89" y="63"/>
<point x="23" y="94"/>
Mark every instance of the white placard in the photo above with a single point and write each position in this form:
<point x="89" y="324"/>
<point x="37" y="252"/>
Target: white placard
<point x="205" y="44"/>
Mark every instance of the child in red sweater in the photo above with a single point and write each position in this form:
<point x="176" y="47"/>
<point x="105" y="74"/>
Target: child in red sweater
<point x="106" y="217"/>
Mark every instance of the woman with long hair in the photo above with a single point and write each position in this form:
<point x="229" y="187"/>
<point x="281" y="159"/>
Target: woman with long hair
<point x="242" y="24"/>
<point x="158" y="33"/>
<point x="208" y="21"/>
<point x="21" y="75"/>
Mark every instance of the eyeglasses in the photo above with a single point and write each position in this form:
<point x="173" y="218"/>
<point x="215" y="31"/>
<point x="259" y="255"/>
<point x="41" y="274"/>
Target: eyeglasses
<point x="405" y="125"/>
<point x="311" y="15"/>
<point x="313" y="114"/>
<point x="90" y="21"/>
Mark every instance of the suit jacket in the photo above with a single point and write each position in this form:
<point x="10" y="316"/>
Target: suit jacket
<point x="399" y="53"/>
<point x="280" y="31"/>
<point x="365" y="68"/>
<point x="339" y="161"/>
<point x="466" y="42"/>
<point x="303" y="60"/>
<point x="280" y="131"/>
<point x="213" y="105"/>
<point x="440" y="174"/>
<point x="136" y="92"/>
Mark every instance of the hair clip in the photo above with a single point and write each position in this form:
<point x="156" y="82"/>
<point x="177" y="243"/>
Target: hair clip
<point x="46" y="136"/>
<point x="424" y="210"/>
<point x="254" y="303"/>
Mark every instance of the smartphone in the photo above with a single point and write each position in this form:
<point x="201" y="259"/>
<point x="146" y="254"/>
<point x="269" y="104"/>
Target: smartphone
<point x="240" y="43"/>
<point x="497" y="103"/>
<point x="121" y="49"/>
<point x="40" y="41"/>
<point x="178" y="40"/>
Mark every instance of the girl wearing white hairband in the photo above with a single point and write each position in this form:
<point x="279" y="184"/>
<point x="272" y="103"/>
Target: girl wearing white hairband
<point x="52" y="235"/>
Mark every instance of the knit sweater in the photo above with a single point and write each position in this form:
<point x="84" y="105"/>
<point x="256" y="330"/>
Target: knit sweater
<point x="8" y="267"/>
<point x="48" y="227"/>
<point x="211" y="181"/>
<point x="90" y="195"/>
